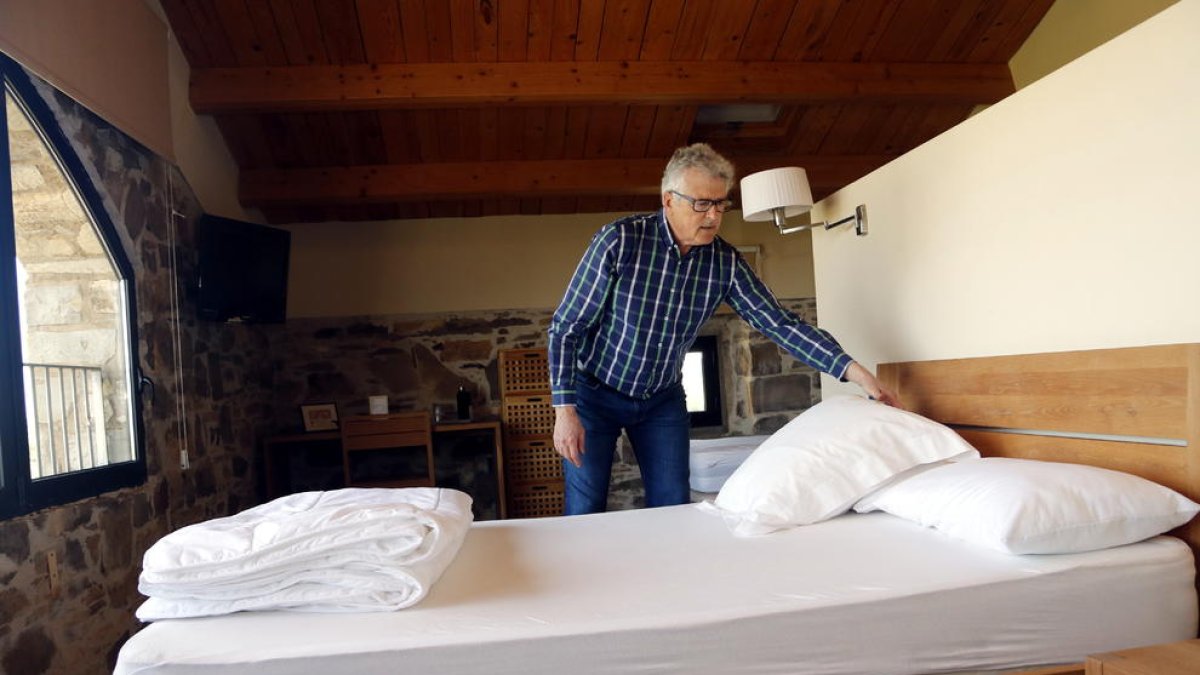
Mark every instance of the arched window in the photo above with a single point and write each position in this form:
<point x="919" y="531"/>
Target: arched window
<point x="70" y="422"/>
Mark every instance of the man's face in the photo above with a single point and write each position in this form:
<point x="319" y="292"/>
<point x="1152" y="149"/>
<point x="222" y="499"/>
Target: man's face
<point x="688" y="226"/>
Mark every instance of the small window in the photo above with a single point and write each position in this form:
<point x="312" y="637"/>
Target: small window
<point x="73" y="431"/>
<point x="702" y="383"/>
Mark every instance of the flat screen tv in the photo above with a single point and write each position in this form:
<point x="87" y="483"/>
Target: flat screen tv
<point x="243" y="270"/>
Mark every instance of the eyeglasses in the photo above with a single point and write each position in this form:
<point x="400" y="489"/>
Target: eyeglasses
<point x="703" y="205"/>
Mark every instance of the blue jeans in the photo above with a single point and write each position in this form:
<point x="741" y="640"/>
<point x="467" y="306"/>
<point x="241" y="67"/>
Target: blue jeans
<point x="658" y="431"/>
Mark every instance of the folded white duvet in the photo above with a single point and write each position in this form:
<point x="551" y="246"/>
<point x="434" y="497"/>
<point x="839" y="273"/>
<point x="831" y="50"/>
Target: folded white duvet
<point x="355" y="549"/>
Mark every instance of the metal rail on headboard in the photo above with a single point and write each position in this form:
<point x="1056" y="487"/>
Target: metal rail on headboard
<point x="1133" y="409"/>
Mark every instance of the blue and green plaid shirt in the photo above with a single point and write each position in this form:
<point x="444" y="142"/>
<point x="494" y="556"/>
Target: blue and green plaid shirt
<point x="632" y="310"/>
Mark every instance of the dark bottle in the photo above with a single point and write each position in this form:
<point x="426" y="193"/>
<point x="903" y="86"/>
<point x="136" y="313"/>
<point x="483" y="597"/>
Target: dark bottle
<point x="464" y="403"/>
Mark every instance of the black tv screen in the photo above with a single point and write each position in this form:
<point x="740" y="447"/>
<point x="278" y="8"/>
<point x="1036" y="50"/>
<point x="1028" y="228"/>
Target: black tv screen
<point x="243" y="270"/>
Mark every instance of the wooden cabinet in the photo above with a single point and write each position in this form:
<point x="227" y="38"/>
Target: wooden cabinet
<point x="399" y="450"/>
<point x="388" y="450"/>
<point x="535" y="478"/>
<point x="1174" y="658"/>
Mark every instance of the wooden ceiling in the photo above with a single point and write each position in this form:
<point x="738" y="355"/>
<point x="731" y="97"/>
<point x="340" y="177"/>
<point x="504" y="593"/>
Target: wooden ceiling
<point x="339" y="110"/>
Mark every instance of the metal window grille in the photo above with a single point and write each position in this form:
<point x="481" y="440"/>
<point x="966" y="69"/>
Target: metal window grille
<point x="64" y="409"/>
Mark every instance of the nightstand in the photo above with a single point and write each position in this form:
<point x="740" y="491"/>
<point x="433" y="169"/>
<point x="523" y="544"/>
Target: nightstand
<point x="1174" y="658"/>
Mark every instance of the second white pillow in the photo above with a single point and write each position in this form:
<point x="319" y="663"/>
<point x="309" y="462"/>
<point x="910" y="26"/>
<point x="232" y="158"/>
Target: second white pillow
<point x="827" y="458"/>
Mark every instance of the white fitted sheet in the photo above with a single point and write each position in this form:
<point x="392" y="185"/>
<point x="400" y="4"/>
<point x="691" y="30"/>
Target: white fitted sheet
<point x="670" y="590"/>
<point x="712" y="460"/>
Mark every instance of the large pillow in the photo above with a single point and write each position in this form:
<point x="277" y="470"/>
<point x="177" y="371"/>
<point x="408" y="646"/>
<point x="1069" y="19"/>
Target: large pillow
<point x="1031" y="506"/>
<point x="827" y="458"/>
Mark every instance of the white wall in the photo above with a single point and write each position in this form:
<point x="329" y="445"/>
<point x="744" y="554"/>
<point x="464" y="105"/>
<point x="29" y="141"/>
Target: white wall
<point x="1063" y="217"/>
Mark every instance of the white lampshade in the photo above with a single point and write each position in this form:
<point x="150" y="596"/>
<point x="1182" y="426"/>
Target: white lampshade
<point x="785" y="188"/>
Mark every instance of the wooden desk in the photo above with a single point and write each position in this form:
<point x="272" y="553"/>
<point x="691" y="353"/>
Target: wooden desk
<point x="313" y="461"/>
<point x="1173" y="658"/>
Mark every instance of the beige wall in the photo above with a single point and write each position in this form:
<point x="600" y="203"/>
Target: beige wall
<point x="109" y="56"/>
<point x="1074" y="27"/>
<point x="1061" y="218"/>
<point x="461" y="264"/>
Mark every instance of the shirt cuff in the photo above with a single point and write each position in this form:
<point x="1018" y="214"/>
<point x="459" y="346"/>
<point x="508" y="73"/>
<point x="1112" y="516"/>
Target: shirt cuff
<point x="561" y="398"/>
<point x="841" y="363"/>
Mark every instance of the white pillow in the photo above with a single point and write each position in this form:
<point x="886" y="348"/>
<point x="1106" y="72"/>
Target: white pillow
<point x="827" y="458"/>
<point x="1031" y="506"/>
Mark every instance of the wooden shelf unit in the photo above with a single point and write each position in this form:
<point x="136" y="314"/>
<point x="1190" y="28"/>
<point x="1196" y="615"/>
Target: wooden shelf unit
<point x="534" y="476"/>
<point x="387" y="441"/>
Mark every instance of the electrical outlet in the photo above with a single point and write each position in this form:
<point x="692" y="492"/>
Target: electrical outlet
<point x="185" y="463"/>
<point x="52" y="568"/>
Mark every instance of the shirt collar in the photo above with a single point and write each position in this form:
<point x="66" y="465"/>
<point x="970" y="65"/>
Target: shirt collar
<point x="664" y="231"/>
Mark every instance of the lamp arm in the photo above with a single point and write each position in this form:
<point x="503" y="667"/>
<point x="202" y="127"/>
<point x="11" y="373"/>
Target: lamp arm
<point x="859" y="219"/>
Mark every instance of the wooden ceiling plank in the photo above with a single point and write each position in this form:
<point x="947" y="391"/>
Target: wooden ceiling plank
<point x="981" y="22"/>
<point x="807" y="29"/>
<point x="533" y="141"/>
<point x="185" y="31"/>
<point x="428" y="139"/>
<point x="659" y="37"/>
<point x="462" y="30"/>
<point x="239" y="30"/>
<point x="212" y="31"/>
<point x="412" y="26"/>
<point x="489" y="132"/>
<point x="812" y="127"/>
<point x="838" y="37"/>
<point x="340" y="31"/>
<point x="1008" y="45"/>
<point x="939" y="119"/>
<point x="556" y="132"/>
<point x="950" y="32"/>
<point x="622" y="30"/>
<point x="866" y="31"/>
<point x="462" y="125"/>
<point x="510" y="132"/>
<point x="452" y="180"/>
<point x="453" y="84"/>
<point x="911" y="19"/>
<point x="638" y="125"/>
<point x="563" y="30"/>
<point x="767" y="25"/>
<point x="1003" y="21"/>
<point x="575" y="139"/>
<point x="669" y="120"/>
<point x="399" y="143"/>
<point x="727" y="30"/>
<point x="693" y="29"/>
<point x="238" y="131"/>
<point x="289" y="33"/>
<point x="308" y="27"/>
<point x="382" y="37"/>
<point x="514" y="30"/>
<point x="438" y="31"/>
<point x="845" y="130"/>
<point x="606" y="124"/>
<point x="267" y="32"/>
<point x="487" y="32"/>
<point x="540" y="30"/>
<point x="587" y="31"/>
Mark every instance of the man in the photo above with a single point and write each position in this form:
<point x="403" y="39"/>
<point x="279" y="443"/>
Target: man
<point x="645" y="285"/>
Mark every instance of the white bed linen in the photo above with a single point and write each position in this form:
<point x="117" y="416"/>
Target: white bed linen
<point x="713" y="460"/>
<point x="671" y="591"/>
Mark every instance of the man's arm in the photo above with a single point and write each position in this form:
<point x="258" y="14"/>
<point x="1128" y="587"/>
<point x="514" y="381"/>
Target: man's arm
<point x="754" y="302"/>
<point x="579" y="310"/>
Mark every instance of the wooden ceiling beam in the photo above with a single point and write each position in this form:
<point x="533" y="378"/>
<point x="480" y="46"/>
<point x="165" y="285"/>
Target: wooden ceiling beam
<point x="549" y="178"/>
<point x="408" y="85"/>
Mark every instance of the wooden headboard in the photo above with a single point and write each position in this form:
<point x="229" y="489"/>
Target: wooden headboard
<point x="1135" y="410"/>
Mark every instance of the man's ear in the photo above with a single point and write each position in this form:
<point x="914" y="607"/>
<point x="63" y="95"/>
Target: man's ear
<point x="666" y="199"/>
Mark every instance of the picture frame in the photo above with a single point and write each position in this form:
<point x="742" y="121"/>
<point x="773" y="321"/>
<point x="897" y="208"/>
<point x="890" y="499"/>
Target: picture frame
<point x="319" y="416"/>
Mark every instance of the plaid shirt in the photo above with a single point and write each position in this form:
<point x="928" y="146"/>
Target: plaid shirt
<point x="632" y="310"/>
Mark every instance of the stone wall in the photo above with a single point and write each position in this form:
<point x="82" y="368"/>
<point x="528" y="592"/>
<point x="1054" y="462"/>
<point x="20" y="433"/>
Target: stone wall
<point x="223" y="395"/>
<point x="420" y="361"/>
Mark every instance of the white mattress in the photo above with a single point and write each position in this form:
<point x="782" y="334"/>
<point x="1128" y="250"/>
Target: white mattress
<point x="712" y="460"/>
<point x="671" y="591"/>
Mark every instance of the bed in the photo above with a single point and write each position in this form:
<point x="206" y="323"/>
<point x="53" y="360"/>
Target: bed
<point x="670" y="591"/>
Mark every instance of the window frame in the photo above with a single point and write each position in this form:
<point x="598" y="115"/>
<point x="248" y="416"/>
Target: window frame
<point x="713" y="414"/>
<point x="19" y="494"/>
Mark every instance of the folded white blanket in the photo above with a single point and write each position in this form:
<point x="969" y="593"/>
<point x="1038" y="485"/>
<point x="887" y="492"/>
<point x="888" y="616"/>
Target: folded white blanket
<point x="355" y="549"/>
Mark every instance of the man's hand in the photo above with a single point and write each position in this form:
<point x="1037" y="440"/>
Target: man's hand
<point x="864" y="379"/>
<point x="568" y="434"/>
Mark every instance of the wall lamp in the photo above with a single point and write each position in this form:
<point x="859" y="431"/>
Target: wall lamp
<point x="778" y="194"/>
